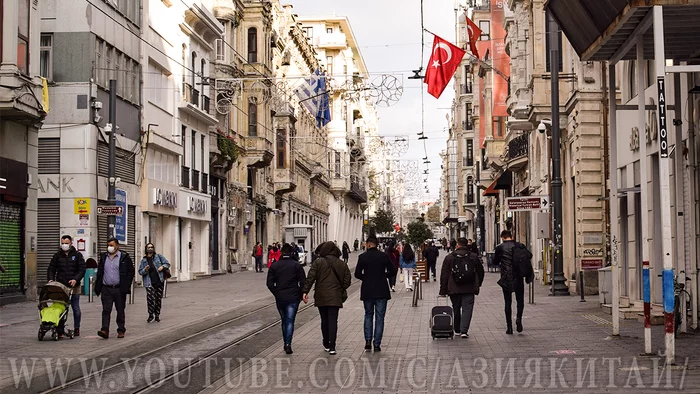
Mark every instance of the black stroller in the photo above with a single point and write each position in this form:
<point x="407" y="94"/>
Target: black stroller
<point x="54" y="304"/>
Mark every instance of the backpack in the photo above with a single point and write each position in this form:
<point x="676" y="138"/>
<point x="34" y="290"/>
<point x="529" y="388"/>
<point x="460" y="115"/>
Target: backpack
<point x="463" y="271"/>
<point x="522" y="264"/>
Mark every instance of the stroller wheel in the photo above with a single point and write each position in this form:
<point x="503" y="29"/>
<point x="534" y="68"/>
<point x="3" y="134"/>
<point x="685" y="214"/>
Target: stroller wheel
<point x="54" y="335"/>
<point x="41" y="334"/>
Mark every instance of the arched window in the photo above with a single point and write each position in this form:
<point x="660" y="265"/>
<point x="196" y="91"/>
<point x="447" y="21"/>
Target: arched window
<point x="202" y="77"/>
<point x="252" y="119"/>
<point x="193" y="70"/>
<point x="252" y="45"/>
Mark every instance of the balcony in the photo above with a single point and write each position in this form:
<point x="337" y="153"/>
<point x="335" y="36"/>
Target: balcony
<point x="332" y="41"/>
<point x="358" y="192"/>
<point x="185" y="177"/>
<point x="195" y="180"/>
<point x="517" y="152"/>
<point x="205" y="183"/>
<point x="284" y="181"/>
<point x="191" y="104"/>
<point x="258" y="151"/>
<point x="339" y="186"/>
<point x="467" y="125"/>
<point x="482" y="5"/>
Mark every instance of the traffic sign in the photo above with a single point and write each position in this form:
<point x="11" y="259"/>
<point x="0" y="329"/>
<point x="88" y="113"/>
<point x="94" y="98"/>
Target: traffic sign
<point x="528" y="203"/>
<point x="110" y="210"/>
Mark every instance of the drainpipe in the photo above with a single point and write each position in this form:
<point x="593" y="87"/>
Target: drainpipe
<point x="693" y="161"/>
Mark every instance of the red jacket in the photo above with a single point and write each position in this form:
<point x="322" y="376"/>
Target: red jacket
<point x="273" y="256"/>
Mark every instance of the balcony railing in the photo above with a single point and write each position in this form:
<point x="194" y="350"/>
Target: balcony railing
<point x="185" y="177"/>
<point x="190" y="94"/>
<point x="467" y="125"/>
<point x="195" y="180"/>
<point x="357" y="192"/>
<point x="518" y="147"/>
<point x="481" y="5"/>
<point x="205" y="183"/>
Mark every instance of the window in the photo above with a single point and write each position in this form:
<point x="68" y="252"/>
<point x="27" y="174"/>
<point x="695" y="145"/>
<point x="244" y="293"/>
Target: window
<point x="23" y="37"/>
<point x="136" y="83"/>
<point x="108" y="65"/>
<point x="281" y="147"/>
<point x="470" y="190"/>
<point x="337" y="164"/>
<point x="193" y="150"/>
<point x="651" y="73"/>
<point x="308" y="32"/>
<point x="470" y="152"/>
<point x="193" y="70"/>
<point x="219" y="50"/>
<point x="329" y="30"/>
<point x="158" y="89"/>
<point x="45" y="66"/>
<point x="201" y="150"/>
<point x="99" y="62"/>
<point x="633" y="78"/>
<point x="485" y="27"/>
<point x="252" y="119"/>
<point x="498" y="126"/>
<point x="252" y="45"/>
<point x="547" y="48"/>
<point x="329" y="64"/>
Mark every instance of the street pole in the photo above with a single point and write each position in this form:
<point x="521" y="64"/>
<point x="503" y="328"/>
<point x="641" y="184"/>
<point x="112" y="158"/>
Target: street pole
<point x="478" y="208"/>
<point x="111" y="128"/>
<point x="559" y="286"/>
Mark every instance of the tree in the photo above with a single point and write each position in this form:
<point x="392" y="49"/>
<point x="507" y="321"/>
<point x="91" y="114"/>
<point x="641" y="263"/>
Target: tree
<point x="418" y="232"/>
<point x="383" y="221"/>
<point x="433" y="215"/>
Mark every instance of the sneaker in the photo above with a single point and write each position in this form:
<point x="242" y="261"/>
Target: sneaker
<point x="103" y="334"/>
<point x="332" y="352"/>
<point x="326" y="347"/>
<point x="150" y="319"/>
<point x="120" y="335"/>
<point x="157" y="318"/>
<point x="377" y="348"/>
<point x="368" y="344"/>
<point x="410" y="289"/>
<point x="288" y="349"/>
<point x="465" y="335"/>
<point x="61" y="335"/>
<point x="519" y="325"/>
<point x="76" y="332"/>
<point x="393" y="288"/>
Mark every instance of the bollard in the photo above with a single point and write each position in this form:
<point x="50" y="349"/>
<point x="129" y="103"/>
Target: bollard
<point x="91" y="289"/>
<point x="165" y="288"/>
<point x="131" y="295"/>
<point x="531" y="292"/>
<point x="420" y="287"/>
<point x="581" y="288"/>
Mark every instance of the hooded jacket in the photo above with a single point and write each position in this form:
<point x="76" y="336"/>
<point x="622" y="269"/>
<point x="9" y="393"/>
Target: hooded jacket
<point x="328" y="290"/>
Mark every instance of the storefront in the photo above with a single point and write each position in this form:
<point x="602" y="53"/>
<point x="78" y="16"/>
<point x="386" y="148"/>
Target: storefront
<point x="13" y="196"/>
<point x="194" y="222"/>
<point x="160" y="202"/>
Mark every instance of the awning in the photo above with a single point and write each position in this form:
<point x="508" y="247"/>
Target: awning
<point x="504" y="181"/>
<point x="491" y="190"/>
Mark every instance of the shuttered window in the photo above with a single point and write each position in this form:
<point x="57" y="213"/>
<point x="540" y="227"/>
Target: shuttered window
<point x="124" y="168"/>
<point x="49" y="235"/>
<point x="49" y="155"/>
<point x="129" y="247"/>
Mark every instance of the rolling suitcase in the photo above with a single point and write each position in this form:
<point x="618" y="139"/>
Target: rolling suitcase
<point x="442" y="321"/>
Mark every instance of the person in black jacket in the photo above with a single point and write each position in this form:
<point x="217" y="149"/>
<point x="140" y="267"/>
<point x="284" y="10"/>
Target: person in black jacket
<point x="462" y="295"/>
<point x="374" y="268"/>
<point x="511" y="281"/>
<point x="285" y="279"/>
<point x="115" y="273"/>
<point x="67" y="267"/>
<point x="431" y="254"/>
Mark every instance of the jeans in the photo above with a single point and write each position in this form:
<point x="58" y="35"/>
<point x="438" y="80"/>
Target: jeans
<point x="114" y="296"/>
<point x="258" y="264"/>
<point x="75" y="305"/>
<point x="375" y="310"/>
<point x="519" y="290"/>
<point x="432" y="267"/>
<point x="463" y="306"/>
<point x="329" y="325"/>
<point x="288" y="312"/>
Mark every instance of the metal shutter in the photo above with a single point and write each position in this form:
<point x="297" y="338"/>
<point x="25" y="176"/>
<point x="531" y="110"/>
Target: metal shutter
<point x="130" y="247"/>
<point x="11" y="247"/>
<point x="125" y="164"/>
<point x="48" y="237"/>
<point x="49" y="155"/>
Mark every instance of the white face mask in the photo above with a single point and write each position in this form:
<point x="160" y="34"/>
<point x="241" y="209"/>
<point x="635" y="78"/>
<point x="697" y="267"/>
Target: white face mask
<point x="110" y="249"/>
<point x="65" y="247"/>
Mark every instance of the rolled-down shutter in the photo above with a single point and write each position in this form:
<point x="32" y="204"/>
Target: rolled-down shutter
<point x="48" y="236"/>
<point x="11" y="247"/>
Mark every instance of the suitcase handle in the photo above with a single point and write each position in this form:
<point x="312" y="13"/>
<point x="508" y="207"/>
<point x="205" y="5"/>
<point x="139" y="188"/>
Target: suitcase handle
<point x="439" y="298"/>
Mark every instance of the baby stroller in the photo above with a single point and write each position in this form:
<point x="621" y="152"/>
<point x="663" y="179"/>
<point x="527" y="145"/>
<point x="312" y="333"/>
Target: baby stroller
<point x="54" y="304"/>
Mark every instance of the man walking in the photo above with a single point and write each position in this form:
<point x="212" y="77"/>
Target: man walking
<point x="461" y="277"/>
<point x="374" y="268"/>
<point x="431" y="254"/>
<point x="258" y="255"/>
<point x="115" y="273"/>
<point x="285" y="279"/>
<point x="67" y="267"/>
<point x="510" y="256"/>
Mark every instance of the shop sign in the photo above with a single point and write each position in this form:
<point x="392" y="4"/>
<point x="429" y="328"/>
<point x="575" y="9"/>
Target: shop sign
<point x="165" y="198"/>
<point x="591" y="264"/>
<point x="196" y="205"/>
<point x="81" y="206"/>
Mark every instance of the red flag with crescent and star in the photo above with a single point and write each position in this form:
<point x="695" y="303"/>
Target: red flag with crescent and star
<point x="443" y="63"/>
<point x="474" y="34"/>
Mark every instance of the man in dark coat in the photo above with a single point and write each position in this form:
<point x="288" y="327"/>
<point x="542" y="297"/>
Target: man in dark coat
<point x="511" y="281"/>
<point x="461" y="294"/>
<point x="431" y="254"/>
<point x="374" y="268"/>
<point x="67" y="267"/>
<point x="332" y="278"/>
<point x="115" y="273"/>
<point x="285" y="280"/>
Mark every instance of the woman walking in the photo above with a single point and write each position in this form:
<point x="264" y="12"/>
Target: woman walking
<point x="394" y="256"/>
<point x="151" y="269"/>
<point x="407" y="261"/>
<point x="332" y="278"/>
<point x="273" y="255"/>
<point x="346" y="252"/>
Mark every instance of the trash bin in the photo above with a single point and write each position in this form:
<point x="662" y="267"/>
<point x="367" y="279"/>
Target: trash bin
<point x="90" y="270"/>
<point x="605" y="285"/>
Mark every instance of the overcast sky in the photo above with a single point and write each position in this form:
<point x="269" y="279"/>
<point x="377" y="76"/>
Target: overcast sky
<point x="389" y="35"/>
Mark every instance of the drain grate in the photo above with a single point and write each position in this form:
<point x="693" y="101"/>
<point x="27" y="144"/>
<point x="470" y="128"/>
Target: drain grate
<point x="597" y="320"/>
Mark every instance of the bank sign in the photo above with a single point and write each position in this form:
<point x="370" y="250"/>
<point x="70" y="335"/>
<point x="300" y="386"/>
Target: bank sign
<point x="120" y="229"/>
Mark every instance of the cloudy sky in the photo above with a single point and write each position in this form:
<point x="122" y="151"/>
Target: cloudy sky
<point x="389" y="35"/>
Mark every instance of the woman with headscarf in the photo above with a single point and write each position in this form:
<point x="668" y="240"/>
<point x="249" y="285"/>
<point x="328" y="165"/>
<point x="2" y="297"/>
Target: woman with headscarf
<point x="151" y="269"/>
<point x="331" y="278"/>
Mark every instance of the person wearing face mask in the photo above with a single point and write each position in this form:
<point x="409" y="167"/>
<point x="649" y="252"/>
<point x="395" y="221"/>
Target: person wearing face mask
<point x="151" y="269"/>
<point x="115" y="273"/>
<point x="67" y="267"/>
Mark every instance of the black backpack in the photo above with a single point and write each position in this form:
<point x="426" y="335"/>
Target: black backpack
<point x="522" y="264"/>
<point x="463" y="270"/>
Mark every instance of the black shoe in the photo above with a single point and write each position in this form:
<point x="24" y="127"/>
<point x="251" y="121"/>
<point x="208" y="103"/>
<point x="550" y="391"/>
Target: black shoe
<point x="157" y="318"/>
<point x="377" y="349"/>
<point x="368" y="345"/>
<point x="76" y="332"/>
<point x="434" y="279"/>
<point x="509" y="330"/>
<point x="150" y="319"/>
<point x="519" y="325"/>
<point x="288" y="349"/>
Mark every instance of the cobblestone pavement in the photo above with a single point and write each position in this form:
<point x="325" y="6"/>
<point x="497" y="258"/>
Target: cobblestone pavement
<point x="566" y="346"/>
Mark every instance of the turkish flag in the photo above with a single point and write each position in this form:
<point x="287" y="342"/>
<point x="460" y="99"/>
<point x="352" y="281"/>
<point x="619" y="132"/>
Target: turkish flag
<point x="442" y="65"/>
<point x="474" y="34"/>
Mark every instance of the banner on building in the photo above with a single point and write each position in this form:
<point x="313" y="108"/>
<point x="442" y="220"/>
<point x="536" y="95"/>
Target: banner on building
<point x="500" y="60"/>
<point x="120" y="231"/>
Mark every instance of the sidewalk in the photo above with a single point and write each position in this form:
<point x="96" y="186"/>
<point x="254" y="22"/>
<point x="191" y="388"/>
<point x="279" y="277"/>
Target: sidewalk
<point x="189" y="306"/>
<point x="566" y="346"/>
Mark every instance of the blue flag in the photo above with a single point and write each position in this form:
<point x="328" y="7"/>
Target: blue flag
<point x="314" y="96"/>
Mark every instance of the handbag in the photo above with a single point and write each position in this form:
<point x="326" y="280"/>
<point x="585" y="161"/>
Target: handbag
<point x="344" y="292"/>
<point x="166" y="271"/>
